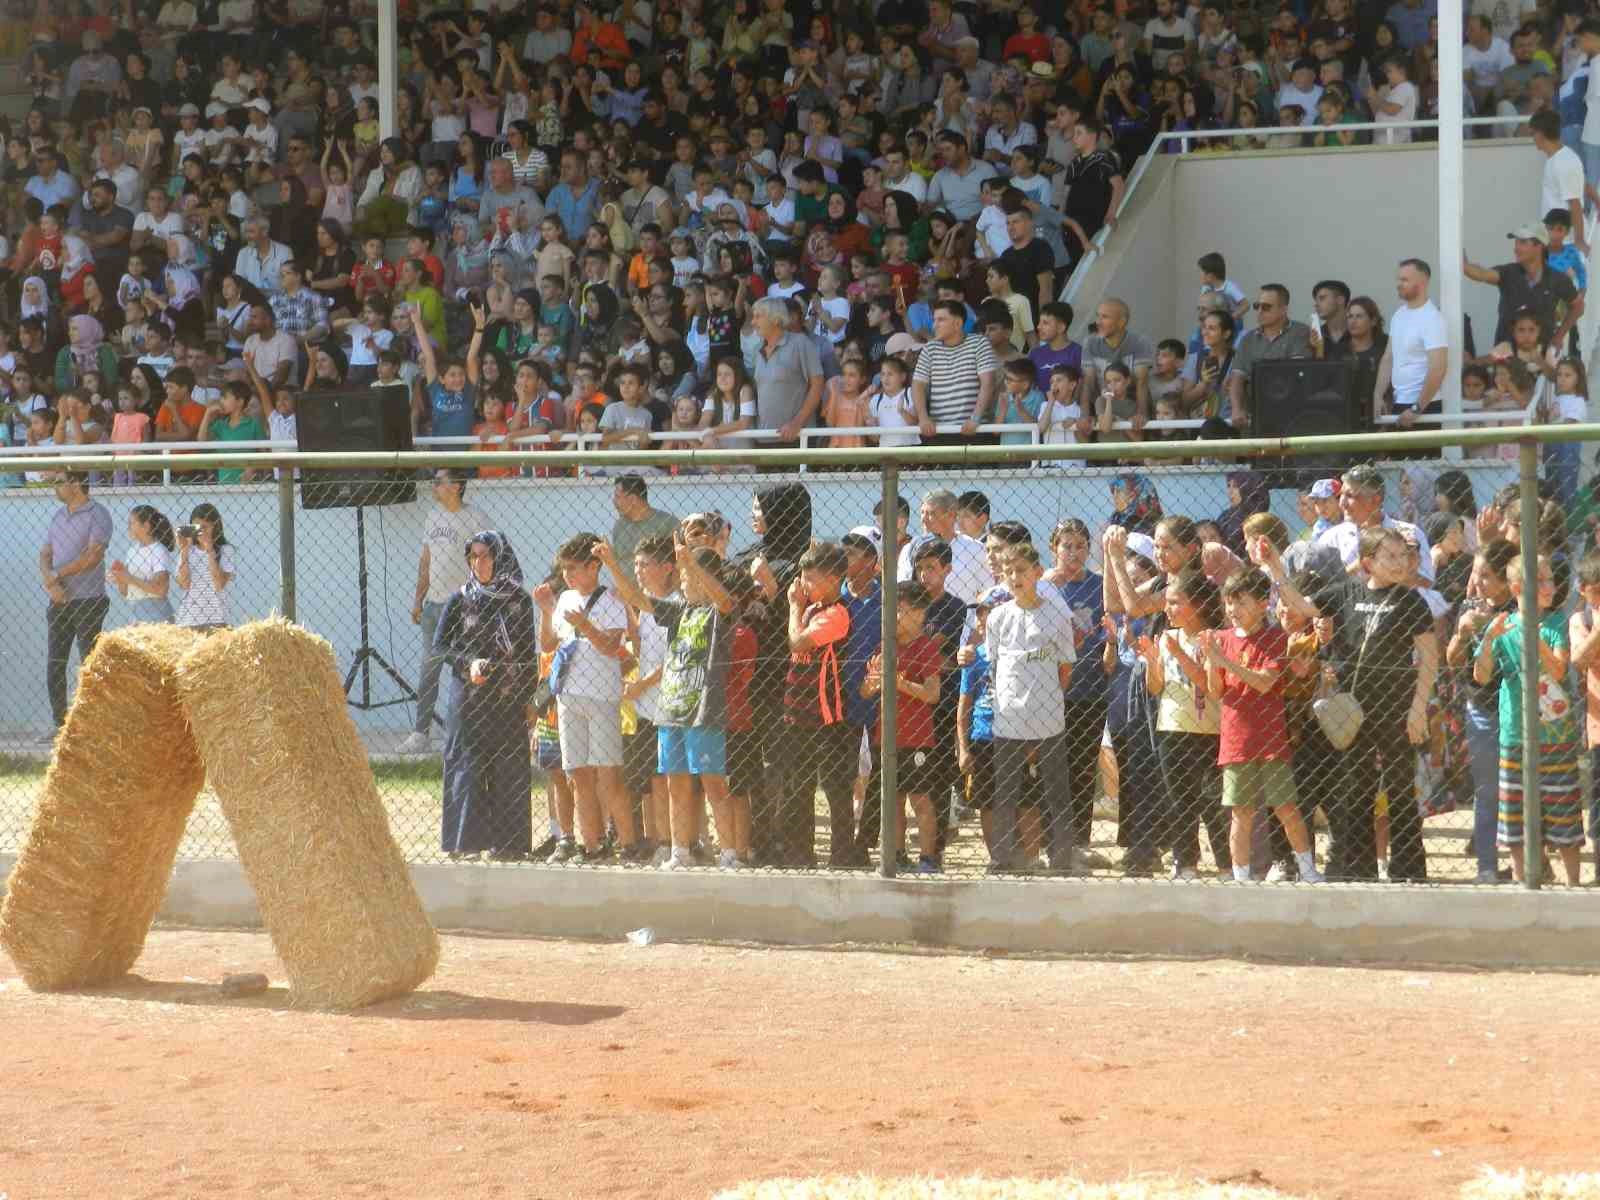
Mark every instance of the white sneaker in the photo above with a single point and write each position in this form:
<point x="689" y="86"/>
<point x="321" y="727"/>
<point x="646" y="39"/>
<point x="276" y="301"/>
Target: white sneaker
<point x="415" y="743"/>
<point x="1312" y="876"/>
<point x="728" y="861"/>
<point x="1184" y="874"/>
<point x="678" y="860"/>
<point x="1277" y="873"/>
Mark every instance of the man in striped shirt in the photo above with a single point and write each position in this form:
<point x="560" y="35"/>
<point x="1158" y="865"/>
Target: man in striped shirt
<point x="954" y="379"/>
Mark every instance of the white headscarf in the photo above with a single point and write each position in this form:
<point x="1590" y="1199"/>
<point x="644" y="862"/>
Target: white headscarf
<point x="41" y="309"/>
<point x="75" y="254"/>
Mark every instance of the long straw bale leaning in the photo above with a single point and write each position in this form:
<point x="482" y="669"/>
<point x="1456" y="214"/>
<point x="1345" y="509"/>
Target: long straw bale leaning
<point x="121" y="783"/>
<point x="292" y="777"/>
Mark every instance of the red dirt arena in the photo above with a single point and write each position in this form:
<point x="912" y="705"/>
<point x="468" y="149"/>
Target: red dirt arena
<point x="557" y="1069"/>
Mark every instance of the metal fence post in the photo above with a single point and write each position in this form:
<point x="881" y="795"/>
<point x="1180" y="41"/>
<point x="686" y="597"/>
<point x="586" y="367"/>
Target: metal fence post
<point x="1532" y="805"/>
<point x="286" y="541"/>
<point x="889" y="817"/>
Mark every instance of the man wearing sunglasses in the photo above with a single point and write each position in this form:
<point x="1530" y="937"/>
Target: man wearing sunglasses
<point x="1274" y="337"/>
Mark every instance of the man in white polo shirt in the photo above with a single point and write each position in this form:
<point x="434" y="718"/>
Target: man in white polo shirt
<point x="969" y="564"/>
<point x="1418" y="353"/>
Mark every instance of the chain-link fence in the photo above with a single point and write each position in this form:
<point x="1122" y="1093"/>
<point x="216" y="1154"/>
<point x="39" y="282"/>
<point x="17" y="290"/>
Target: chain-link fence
<point x="1283" y="668"/>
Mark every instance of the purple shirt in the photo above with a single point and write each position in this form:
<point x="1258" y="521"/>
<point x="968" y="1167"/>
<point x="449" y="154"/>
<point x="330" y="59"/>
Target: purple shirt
<point x="71" y="533"/>
<point x="1047" y="360"/>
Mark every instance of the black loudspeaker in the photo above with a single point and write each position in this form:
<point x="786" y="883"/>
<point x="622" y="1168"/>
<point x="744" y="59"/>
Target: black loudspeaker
<point x="361" y="419"/>
<point x="1304" y="397"/>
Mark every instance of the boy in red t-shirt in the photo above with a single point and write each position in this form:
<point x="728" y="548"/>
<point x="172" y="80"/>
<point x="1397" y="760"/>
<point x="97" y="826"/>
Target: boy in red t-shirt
<point x="821" y="745"/>
<point x="1244" y="670"/>
<point x="917" y="682"/>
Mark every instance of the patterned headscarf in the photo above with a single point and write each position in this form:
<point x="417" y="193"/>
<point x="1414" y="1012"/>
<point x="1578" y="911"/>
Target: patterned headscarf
<point x="488" y="601"/>
<point x="1144" y="510"/>
<point x="86" y="350"/>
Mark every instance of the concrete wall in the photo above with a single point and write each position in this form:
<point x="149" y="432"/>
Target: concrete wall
<point x="1297" y="216"/>
<point x="536" y="514"/>
<point x="1490" y="927"/>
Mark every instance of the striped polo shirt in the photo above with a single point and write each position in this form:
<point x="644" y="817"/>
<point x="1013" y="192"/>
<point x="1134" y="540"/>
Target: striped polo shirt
<point x="952" y="375"/>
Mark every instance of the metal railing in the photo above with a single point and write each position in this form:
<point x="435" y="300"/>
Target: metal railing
<point x="1097" y="244"/>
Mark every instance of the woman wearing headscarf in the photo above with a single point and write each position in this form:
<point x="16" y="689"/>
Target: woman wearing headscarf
<point x="466" y="262"/>
<point x="850" y="236"/>
<point x="77" y="261"/>
<point x="182" y="304"/>
<point x="519" y="337"/>
<point x="902" y="214"/>
<point x="86" y="350"/>
<point x="486" y="638"/>
<point x="1248" y="495"/>
<point x="34" y="304"/>
<point x="781" y="517"/>
<point x="1136" y="504"/>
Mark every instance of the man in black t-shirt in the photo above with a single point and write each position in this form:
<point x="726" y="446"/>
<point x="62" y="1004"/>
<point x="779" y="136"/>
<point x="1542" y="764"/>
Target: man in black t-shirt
<point x="1528" y="282"/>
<point x="1029" y="262"/>
<point x="1385" y="651"/>
<point x="1094" y="189"/>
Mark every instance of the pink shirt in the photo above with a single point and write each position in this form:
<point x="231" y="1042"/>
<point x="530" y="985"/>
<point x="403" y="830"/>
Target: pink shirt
<point x="130" y="428"/>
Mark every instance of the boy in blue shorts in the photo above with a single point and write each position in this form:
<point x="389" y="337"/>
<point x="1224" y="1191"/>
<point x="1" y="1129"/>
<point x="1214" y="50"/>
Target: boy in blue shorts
<point x="692" y="700"/>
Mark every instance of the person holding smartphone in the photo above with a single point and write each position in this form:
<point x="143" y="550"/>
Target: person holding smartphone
<point x="205" y="570"/>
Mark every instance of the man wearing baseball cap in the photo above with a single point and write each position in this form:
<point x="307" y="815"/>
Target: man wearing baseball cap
<point x="1528" y="282"/>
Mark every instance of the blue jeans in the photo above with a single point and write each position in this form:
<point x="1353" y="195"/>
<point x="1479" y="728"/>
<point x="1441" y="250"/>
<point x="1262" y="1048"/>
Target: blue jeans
<point x="1483" y="743"/>
<point x="1563" y="462"/>
<point x="432" y="662"/>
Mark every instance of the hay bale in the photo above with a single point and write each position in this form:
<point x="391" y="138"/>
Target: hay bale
<point x="268" y="712"/>
<point x="864" y="1187"/>
<point x="121" y="783"/>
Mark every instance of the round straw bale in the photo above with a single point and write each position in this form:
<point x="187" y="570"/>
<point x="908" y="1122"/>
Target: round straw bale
<point x="121" y="783"/>
<point x="292" y="778"/>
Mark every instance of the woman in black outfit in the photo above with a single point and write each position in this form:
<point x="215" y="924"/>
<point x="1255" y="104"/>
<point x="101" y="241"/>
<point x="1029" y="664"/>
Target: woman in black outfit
<point x="486" y="637"/>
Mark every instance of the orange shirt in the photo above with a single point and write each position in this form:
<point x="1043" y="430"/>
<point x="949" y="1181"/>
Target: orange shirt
<point x="604" y="40"/>
<point x="483" y="431"/>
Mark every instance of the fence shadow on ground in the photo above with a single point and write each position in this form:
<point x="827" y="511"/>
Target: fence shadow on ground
<point x="434" y="1004"/>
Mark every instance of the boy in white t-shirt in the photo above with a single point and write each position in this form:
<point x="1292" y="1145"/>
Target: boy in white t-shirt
<point x="586" y="630"/>
<point x="785" y="267"/>
<point x="260" y="136"/>
<point x="220" y="137"/>
<point x="189" y="138"/>
<point x="993" y="240"/>
<point x="1214" y="278"/>
<point x="1032" y="647"/>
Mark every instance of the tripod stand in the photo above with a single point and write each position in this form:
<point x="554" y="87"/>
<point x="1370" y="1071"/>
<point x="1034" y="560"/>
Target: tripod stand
<point x="366" y="653"/>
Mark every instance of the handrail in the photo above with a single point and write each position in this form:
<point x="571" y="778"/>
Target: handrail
<point x="1097" y="244"/>
<point x="1230" y="450"/>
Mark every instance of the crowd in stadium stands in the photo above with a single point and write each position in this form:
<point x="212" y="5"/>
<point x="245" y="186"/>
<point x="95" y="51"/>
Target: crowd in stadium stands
<point x="607" y="221"/>
<point x="638" y="221"/>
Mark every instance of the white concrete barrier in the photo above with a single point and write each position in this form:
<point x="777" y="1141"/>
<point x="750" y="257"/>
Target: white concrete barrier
<point x="1348" y="923"/>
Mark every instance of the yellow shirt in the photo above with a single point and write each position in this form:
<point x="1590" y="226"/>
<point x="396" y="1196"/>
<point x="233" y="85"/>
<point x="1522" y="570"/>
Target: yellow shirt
<point x="1183" y="708"/>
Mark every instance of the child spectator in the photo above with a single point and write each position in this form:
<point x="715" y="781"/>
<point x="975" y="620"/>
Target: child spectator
<point x="1560" y="787"/>
<point x="627" y="422"/>
<point x="998" y="280"/>
<point x="1020" y="401"/>
<point x="1061" y="416"/>
<point x="821" y="745"/>
<point x="1188" y="722"/>
<point x="1055" y="349"/>
<point x="847" y="404"/>
<point x="1214" y="278"/>
<point x="1244" y="672"/>
<point x="916" y="683"/>
<point x="586" y="624"/>
<point x="975" y="715"/>
<point x="1563" y="460"/>
<point x="890" y="404"/>
<point x="1031" y="649"/>
<point x="130" y="427"/>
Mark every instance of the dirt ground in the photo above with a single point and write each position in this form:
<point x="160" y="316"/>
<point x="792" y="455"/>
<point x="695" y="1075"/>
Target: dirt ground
<point x="552" y="1069"/>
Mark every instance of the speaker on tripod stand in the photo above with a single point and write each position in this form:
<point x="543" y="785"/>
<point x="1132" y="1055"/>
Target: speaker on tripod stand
<point x="364" y="419"/>
<point x="1303" y="397"/>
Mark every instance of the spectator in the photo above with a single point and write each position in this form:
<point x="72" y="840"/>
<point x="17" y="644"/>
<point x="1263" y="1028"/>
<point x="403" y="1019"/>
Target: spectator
<point x="261" y="261"/>
<point x="485" y="634"/>
<point x="957" y="186"/>
<point x="441" y="573"/>
<point x="969" y="571"/>
<point x="636" y="521"/>
<point x="206" y="567"/>
<point x="954" y="380"/>
<point x="1113" y="342"/>
<point x="72" y="570"/>
<point x="145" y="579"/>
<point x="787" y="374"/>
<point x="1527" y="282"/>
<point x="1417" y="354"/>
<point x="1274" y="337"/>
